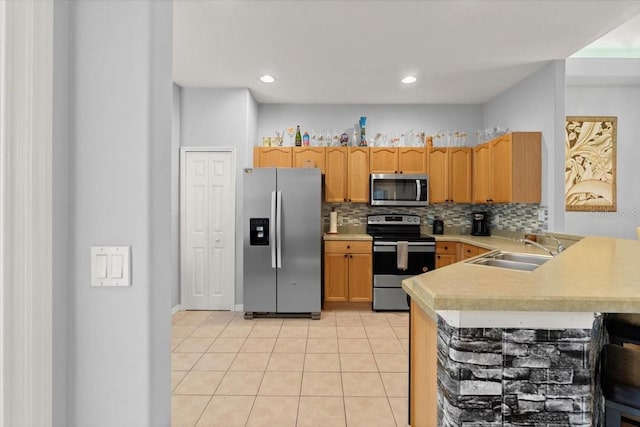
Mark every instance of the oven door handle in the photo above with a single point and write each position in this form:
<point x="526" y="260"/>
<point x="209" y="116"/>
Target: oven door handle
<point x="410" y="244"/>
<point x="411" y="249"/>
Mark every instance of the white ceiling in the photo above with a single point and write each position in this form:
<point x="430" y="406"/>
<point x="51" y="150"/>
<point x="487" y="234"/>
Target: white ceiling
<point x="356" y="51"/>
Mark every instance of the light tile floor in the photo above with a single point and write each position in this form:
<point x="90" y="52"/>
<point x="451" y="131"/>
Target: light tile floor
<point x="347" y="369"/>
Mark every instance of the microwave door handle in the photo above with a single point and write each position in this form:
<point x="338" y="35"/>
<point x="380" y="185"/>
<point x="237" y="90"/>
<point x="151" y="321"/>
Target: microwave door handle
<point x="418" y="188"/>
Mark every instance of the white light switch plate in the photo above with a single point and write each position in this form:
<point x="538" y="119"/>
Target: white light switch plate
<point x="111" y="266"/>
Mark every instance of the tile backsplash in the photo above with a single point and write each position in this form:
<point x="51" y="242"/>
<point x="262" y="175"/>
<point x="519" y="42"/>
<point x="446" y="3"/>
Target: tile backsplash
<point x="515" y="217"/>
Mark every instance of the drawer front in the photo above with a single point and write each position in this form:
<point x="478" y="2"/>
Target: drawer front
<point x="446" y="248"/>
<point x="469" y="251"/>
<point x="350" y="246"/>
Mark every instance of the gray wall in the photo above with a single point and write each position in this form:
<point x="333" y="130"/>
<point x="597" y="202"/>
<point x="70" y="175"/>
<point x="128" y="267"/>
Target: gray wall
<point x="537" y="104"/>
<point x="623" y="102"/>
<point x="112" y="173"/>
<point x="383" y="118"/>
<point x="222" y="118"/>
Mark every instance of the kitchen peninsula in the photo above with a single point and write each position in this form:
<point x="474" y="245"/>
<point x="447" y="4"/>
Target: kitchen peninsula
<point x="497" y="346"/>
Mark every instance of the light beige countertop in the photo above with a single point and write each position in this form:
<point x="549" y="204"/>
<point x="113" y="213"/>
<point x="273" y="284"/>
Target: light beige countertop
<point x="490" y="242"/>
<point x="597" y="274"/>
<point x="346" y="236"/>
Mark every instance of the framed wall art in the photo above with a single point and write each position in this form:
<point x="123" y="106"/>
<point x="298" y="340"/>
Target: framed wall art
<point x="590" y="164"/>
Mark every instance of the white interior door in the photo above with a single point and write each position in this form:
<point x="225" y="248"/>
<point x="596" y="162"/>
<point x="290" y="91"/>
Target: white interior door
<point x="208" y="215"/>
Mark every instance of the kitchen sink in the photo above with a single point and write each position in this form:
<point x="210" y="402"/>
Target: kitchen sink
<point x="528" y="258"/>
<point x="511" y="260"/>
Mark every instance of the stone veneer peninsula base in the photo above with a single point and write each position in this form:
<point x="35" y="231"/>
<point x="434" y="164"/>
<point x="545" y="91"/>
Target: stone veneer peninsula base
<point x="504" y="376"/>
<point x="495" y="346"/>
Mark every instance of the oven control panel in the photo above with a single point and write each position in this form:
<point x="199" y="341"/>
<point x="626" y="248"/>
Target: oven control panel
<point x="394" y="219"/>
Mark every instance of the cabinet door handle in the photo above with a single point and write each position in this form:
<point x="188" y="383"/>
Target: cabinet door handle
<point x="345" y="255"/>
<point x="348" y="246"/>
<point x="350" y="256"/>
<point x="446" y="248"/>
<point x="438" y="256"/>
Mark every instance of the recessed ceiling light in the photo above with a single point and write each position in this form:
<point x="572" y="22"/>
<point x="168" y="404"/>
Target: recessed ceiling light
<point x="267" y="78"/>
<point x="409" y="79"/>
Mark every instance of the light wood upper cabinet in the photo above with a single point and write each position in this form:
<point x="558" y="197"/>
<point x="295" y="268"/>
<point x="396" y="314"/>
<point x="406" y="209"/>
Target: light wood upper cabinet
<point x="358" y="179"/>
<point x="460" y="161"/>
<point x="438" y="175"/>
<point x="315" y="155"/>
<point x="508" y="169"/>
<point x="336" y="176"/>
<point x="450" y="174"/>
<point x="272" y="157"/>
<point x="482" y="173"/>
<point x="383" y="160"/>
<point x="412" y="160"/>
<point x="502" y="169"/>
<point x="405" y="160"/>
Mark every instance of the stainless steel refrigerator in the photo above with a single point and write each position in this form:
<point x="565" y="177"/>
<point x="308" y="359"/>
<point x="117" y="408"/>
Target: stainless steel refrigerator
<point x="282" y="241"/>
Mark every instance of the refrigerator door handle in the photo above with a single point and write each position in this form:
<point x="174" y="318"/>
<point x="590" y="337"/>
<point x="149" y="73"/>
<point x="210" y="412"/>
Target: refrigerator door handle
<point x="279" y="230"/>
<point x="272" y="230"/>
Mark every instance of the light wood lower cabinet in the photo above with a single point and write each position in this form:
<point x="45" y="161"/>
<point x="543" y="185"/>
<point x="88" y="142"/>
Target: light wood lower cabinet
<point x="446" y="253"/>
<point x="469" y="251"/>
<point x="348" y="269"/>
<point x="451" y="252"/>
<point x="423" y="361"/>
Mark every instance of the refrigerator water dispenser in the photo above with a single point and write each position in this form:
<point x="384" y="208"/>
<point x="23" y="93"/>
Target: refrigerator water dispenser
<point x="259" y="231"/>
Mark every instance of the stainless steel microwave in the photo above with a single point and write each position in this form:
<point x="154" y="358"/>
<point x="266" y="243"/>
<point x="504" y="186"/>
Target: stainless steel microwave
<point x="399" y="190"/>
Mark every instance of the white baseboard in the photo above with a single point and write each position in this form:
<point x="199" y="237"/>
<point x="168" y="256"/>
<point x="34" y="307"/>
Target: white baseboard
<point x="239" y="307"/>
<point x="176" y="309"/>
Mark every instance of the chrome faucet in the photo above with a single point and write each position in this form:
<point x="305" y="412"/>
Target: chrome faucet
<point x="560" y="247"/>
<point x="537" y="245"/>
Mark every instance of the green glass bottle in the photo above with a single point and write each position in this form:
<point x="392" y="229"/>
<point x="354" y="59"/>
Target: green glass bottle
<point x="298" y="137"/>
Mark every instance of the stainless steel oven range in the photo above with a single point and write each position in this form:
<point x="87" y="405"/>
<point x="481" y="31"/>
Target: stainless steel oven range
<point x="399" y="252"/>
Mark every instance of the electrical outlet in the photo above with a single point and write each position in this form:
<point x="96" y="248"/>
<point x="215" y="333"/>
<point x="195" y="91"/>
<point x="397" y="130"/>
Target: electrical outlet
<point x="540" y="214"/>
<point x="496" y="219"/>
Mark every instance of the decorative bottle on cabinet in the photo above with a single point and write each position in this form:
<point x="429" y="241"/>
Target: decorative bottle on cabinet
<point x="298" y="137"/>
